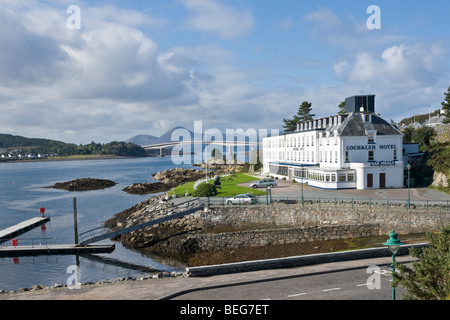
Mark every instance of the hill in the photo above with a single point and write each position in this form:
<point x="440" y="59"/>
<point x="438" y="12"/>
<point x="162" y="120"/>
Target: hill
<point x="15" y="146"/>
<point x="143" y="140"/>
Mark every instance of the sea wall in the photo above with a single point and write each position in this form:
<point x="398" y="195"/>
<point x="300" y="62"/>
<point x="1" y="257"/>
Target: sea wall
<point x="402" y="220"/>
<point x="207" y="242"/>
<point x="231" y="227"/>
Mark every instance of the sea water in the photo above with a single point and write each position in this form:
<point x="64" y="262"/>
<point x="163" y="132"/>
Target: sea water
<point x="23" y="191"/>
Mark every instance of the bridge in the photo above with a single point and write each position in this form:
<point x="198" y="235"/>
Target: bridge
<point x="229" y="144"/>
<point x="102" y="233"/>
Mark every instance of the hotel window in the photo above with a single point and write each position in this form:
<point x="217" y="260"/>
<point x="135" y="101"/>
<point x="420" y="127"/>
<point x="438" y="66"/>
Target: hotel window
<point x="371" y="157"/>
<point x="335" y="157"/>
<point x="395" y="154"/>
<point x="341" y="178"/>
<point x="371" y="137"/>
<point x="347" y="157"/>
<point x="350" y="177"/>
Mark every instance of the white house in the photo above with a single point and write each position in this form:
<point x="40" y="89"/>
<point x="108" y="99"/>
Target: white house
<point x="357" y="149"/>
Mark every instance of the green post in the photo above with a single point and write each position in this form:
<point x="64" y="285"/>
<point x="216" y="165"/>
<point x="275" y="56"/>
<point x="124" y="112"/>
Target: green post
<point x="393" y="245"/>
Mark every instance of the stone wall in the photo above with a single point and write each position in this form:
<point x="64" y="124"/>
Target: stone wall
<point x="402" y="220"/>
<point x="281" y="224"/>
<point x="232" y="227"/>
<point x="258" y="238"/>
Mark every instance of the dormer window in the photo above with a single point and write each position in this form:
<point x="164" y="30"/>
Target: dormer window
<point x="371" y="136"/>
<point x="367" y="118"/>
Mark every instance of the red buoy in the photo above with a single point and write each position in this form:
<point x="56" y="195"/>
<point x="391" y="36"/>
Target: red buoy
<point x="14" y="242"/>
<point x="42" y="210"/>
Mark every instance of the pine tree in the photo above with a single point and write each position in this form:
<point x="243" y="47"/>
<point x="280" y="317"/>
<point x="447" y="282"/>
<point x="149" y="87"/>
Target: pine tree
<point x="303" y="115"/>
<point x="429" y="278"/>
<point x="446" y="106"/>
<point x="304" y="112"/>
<point x="341" y="107"/>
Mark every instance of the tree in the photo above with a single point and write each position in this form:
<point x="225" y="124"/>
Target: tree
<point x="205" y="190"/>
<point x="408" y="134"/>
<point x="341" y="107"/>
<point x="304" y="112"/>
<point x="429" y="277"/>
<point x="446" y="106"/>
<point x="424" y="137"/>
<point x="303" y="115"/>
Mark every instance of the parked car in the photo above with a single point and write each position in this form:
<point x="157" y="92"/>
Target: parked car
<point x="242" y="199"/>
<point x="264" y="183"/>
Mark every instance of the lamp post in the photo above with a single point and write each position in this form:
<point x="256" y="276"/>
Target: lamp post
<point x="303" y="202"/>
<point x="409" y="181"/>
<point x="393" y="245"/>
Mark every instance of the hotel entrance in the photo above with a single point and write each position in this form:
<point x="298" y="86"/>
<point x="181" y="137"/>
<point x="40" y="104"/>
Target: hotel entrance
<point x="382" y="180"/>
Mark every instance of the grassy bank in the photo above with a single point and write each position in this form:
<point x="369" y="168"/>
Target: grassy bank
<point x="229" y="186"/>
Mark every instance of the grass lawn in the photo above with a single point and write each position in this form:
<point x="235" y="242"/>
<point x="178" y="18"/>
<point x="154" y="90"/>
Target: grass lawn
<point x="229" y="186"/>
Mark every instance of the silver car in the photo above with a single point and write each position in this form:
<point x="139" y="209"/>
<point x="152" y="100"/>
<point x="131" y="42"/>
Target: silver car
<point x="242" y="199"/>
<point x="264" y="183"/>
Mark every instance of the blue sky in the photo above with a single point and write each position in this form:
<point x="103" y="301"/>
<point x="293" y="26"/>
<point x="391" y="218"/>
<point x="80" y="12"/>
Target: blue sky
<point x="143" y="67"/>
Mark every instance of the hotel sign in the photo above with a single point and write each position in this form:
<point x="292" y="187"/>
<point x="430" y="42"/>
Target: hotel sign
<point x="382" y="163"/>
<point x="373" y="147"/>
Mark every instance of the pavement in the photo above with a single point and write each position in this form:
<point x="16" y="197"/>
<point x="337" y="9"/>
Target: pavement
<point x="293" y="190"/>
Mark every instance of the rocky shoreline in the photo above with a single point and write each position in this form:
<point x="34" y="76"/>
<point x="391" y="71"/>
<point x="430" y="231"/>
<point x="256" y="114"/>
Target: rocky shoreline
<point x="159" y="275"/>
<point x="167" y="180"/>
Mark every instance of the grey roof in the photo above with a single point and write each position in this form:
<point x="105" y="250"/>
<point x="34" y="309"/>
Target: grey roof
<point x="353" y="125"/>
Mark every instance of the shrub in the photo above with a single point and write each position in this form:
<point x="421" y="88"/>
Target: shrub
<point x="205" y="190"/>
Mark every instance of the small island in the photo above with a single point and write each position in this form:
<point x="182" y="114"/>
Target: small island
<point x="84" y="184"/>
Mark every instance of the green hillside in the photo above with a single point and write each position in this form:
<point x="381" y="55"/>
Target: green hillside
<point x="16" y="145"/>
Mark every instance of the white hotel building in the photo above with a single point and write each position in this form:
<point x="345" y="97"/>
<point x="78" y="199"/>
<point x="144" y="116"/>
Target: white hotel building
<point x="357" y="149"/>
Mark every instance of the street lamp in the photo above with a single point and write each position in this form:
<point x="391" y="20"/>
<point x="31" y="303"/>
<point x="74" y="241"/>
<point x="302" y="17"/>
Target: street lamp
<point x="409" y="181"/>
<point x="303" y="202"/>
<point x="393" y="245"/>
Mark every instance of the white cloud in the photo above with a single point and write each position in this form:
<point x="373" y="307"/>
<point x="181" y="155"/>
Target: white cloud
<point x="399" y="66"/>
<point x="225" y="21"/>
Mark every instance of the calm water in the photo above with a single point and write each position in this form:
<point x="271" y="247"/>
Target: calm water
<point x="22" y="193"/>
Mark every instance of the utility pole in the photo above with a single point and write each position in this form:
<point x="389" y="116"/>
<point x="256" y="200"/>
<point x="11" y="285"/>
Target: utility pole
<point x="75" y="220"/>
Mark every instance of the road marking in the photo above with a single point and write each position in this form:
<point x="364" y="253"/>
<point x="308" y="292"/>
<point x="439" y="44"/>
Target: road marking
<point x="297" y="294"/>
<point x="332" y="289"/>
<point x="364" y="284"/>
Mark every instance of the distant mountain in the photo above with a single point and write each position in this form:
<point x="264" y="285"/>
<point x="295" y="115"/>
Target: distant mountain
<point x="143" y="140"/>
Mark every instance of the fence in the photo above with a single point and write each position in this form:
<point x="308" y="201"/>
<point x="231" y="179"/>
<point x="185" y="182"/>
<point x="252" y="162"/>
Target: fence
<point x="428" y="205"/>
<point x="30" y="241"/>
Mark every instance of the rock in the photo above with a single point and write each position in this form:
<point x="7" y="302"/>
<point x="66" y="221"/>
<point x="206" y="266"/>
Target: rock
<point x="147" y="187"/>
<point x="178" y="176"/>
<point x="84" y="184"/>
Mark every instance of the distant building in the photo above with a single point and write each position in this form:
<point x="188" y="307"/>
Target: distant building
<point x="357" y="149"/>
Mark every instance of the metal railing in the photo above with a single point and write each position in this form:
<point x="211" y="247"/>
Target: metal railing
<point x="34" y="242"/>
<point x="441" y="205"/>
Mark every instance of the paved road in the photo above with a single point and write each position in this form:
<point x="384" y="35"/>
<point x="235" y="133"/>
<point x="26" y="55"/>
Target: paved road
<point x="317" y="282"/>
<point x="360" y="283"/>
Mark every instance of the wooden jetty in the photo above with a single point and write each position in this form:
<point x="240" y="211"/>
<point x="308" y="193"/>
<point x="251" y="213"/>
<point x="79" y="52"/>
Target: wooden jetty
<point x="18" y="229"/>
<point x="60" y="249"/>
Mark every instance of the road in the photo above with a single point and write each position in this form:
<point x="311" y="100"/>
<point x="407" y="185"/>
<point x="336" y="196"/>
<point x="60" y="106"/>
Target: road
<point x="360" y="283"/>
<point x="344" y="280"/>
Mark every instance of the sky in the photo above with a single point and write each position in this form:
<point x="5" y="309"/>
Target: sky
<point x="82" y="71"/>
